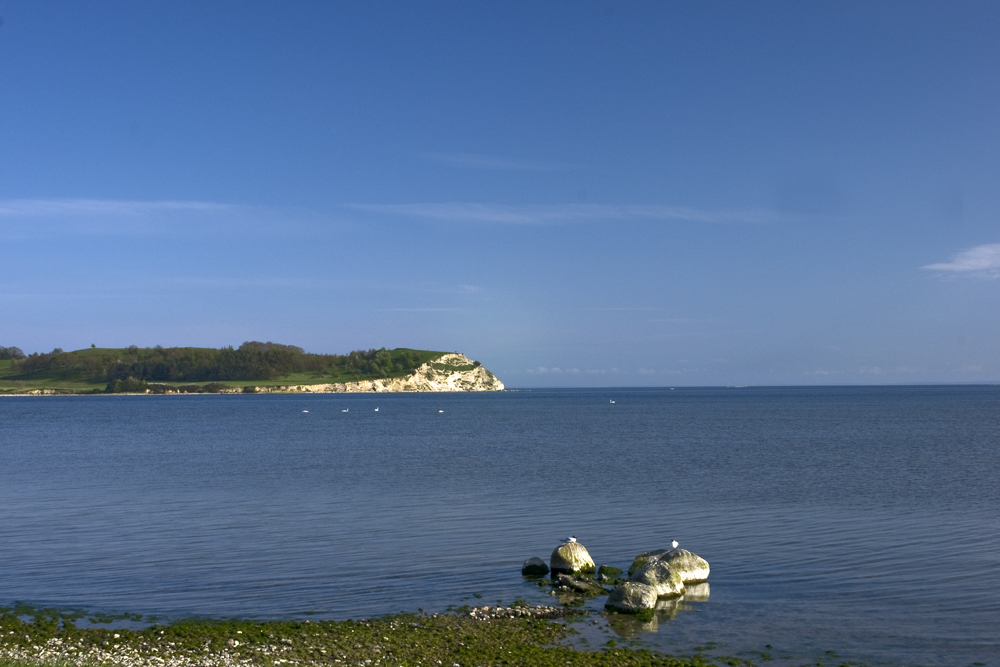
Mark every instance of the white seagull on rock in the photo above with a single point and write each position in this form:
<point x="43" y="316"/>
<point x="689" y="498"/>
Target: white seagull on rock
<point x="673" y="544"/>
<point x="571" y="538"/>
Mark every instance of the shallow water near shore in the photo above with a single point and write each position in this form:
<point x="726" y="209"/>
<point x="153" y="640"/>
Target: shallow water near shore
<point x="859" y="520"/>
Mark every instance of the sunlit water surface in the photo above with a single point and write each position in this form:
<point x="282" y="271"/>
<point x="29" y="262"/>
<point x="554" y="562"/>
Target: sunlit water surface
<point x="864" y="521"/>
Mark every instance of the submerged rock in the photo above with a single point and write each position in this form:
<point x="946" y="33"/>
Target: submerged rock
<point x="606" y="573"/>
<point x="630" y="626"/>
<point x="632" y="597"/>
<point x="571" y="558"/>
<point x="667" y="581"/>
<point x="533" y="567"/>
<point x="577" y="585"/>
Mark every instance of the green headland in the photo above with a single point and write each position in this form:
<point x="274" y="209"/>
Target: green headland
<point x="197" y="369"/>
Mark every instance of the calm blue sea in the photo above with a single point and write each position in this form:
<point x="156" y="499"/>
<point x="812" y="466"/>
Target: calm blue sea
<point x="860" y="520"/>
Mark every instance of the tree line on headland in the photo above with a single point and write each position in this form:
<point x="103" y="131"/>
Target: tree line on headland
<point x="11" y="353"/>
<point x="252" y="360"/>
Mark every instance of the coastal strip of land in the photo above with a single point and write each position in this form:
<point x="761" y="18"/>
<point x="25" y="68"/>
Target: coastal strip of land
<point x="253" y="368"/>
<point x="515" y="635"/>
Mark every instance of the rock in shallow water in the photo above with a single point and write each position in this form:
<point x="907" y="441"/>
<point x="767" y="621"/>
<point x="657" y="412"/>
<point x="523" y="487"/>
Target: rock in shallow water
<point x="665" y="580"/>
<point x="569" y="582"/>
<point x="690" y="566"/>
<point x="534" y="566"/>
<point x="571" y="558"/>
<point x="631" y="597"/>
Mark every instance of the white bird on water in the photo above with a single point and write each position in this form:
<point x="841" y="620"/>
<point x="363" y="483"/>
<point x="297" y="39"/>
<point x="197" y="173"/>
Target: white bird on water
<point x="673" y="543"/>
<point x="612" y="401"/>
<point x="345" y="410"/>
<point x="305" y="411"/>
<point x="376" y="409"/>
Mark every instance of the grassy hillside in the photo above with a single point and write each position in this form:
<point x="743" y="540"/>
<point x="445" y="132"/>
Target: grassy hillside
<point x="91" y="370"/>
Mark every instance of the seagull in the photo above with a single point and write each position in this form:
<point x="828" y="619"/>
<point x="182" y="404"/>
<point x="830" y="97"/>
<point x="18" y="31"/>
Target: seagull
<point x="612" y="401"/>
<point x="673" y="544"/>
<point x="440" y="410"/>
<point x="376" y="409"/>
<point x="571" y="538"/>
<point x="345" y="410"/>
<point x="305" y="411"/>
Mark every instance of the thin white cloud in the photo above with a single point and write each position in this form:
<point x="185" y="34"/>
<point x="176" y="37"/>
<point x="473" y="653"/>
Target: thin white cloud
<point x="470" y="161"/>
<point x="33" y="208"/>
<point x="414" y="310"/>
<point x="622" y="309"/>
<point x="983" y="260"/>
<point x="41" y="218"/>
<point x="563" y="213"/>
<point x="228" y="282"/>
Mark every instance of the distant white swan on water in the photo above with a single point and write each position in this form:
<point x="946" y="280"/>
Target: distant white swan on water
<point x="345" y="409"/>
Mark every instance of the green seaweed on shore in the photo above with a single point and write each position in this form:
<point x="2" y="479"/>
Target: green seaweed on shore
<point x="410" y="640"/>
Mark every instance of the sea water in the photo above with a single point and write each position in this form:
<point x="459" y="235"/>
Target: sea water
<point x="859" y="520"/>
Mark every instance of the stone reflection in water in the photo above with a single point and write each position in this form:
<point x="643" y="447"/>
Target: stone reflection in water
<point x="696" y="592"/>
<point x="627" y="626"/>
<point x="666" y="610"/>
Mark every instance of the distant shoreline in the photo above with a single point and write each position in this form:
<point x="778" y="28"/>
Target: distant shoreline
<point x="440" y="372"/>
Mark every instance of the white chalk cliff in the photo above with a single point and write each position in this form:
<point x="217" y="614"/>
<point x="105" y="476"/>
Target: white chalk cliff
<point x="449" y="372"/>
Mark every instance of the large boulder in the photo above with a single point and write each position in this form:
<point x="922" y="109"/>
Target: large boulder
<point x="534" y="567"/>
<point x="631" y="597"/>
<point x="571" y="558"/>
<point x="666" y="581"/>
<point x="691" y="567"/>
<point x="645" y="558"/>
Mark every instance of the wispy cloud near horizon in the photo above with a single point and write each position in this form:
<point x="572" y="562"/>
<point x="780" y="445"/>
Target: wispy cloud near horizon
<point x="42" y="218"/>
<point x="470" y="161"/>
<point x="32" y="208"/>
<point x="983" y="260"/>
<point x="564" y="213"/>
<point x="414" y="310"/>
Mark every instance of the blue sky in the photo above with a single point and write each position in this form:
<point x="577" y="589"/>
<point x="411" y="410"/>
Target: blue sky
<point x="577" y="194"/>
